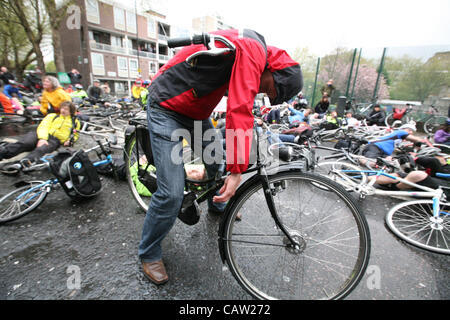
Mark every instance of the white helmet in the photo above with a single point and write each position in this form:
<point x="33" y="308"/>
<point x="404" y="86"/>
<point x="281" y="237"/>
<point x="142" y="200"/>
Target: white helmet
<point x="409" y="126"/>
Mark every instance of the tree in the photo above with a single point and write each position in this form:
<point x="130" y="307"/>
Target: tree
<point x="413" y="79"/>
<point x="337" y="67"/>
<point x="56" y="15"/>
<point x="308" y="63"/>
<point x="30" y="15"/>
<point x="16" y="53"/>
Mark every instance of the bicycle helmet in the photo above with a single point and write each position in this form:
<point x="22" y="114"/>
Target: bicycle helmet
<point x="408" y="126"/>
<point x="286" y="72"/>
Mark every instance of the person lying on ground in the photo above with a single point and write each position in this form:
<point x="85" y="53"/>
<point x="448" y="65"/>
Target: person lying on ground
<point x="54" y="131"/>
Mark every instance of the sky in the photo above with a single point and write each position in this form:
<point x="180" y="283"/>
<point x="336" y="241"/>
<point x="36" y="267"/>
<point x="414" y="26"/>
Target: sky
<point x="322" y="25"/>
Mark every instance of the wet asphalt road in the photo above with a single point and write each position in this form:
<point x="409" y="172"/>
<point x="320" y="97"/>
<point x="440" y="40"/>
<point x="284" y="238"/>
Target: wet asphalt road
<point x="99" y="237"/>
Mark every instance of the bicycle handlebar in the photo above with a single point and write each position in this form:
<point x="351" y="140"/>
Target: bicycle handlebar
<point x="203" y="38"/>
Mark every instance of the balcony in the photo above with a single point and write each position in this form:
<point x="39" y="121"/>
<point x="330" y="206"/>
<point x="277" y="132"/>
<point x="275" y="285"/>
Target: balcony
<point x="163" y="57"/>
<point x="107" y="47"/>
<point x="120" y="50"/>
<point x="145" y="54"/>
<point x="162" y="37"/>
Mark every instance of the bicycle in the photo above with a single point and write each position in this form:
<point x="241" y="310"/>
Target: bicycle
<point x="432" y="121"/>
<point x="29" y="195"/>
<point x="422" y="223"/>
<point x="294" y="224"/>
<point x="294" y="240"/>
<point x="360" y="110"/>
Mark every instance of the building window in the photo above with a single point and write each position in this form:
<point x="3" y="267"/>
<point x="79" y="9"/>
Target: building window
<point x="117" y="41"/>
<point x="119" y="18"/>
<point x="134" y="68"/>
<point x="122" y="67"/>
<point x="151" y="28"/>
<point x="100" y="37"/>
<point x="152" y="67"/>
<point x="119" y="87"/>
<point x="131" y="22"/>
<point x="98" y="65"/>
<point x="92" y="12"/>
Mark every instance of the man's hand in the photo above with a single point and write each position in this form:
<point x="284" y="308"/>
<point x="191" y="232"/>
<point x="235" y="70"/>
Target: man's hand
<point x="229" y="188"/>
<point x="41" y="143"/>
<point x="67" y="143"/>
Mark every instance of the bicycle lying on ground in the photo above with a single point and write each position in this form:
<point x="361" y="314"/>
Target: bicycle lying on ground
<point x="29" y="195"/>
<point x="424" y="223"/>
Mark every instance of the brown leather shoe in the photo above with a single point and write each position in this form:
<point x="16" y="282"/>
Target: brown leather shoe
<point x="155" y="272"/>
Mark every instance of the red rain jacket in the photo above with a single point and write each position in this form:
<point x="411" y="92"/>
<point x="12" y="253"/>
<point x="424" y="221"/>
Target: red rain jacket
<point x="194" y="90"/>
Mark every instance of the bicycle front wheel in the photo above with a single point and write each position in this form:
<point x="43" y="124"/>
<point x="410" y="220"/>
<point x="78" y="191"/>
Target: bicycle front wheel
<point x="333" y="237"/>
<point x="413" y="221"/>
<point x="433" y="124"/>
<point x="21" y="201"/>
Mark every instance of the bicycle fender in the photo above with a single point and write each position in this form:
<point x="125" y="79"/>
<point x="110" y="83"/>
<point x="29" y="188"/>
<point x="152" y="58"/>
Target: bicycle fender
<point x="243" y="188"/>
<point x="129" y="132"/>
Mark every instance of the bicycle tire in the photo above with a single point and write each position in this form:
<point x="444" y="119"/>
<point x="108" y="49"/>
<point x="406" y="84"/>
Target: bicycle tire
<point x="433" y="124"/>
<point x="12" y="118"/>
<point x="12" y="209"/>
<point x="389" y="120"/>
<point x="131" y="156"/>
<point x="130" y="149"/>
<point x="411" y="222"/>
<point x="265" y="277"/>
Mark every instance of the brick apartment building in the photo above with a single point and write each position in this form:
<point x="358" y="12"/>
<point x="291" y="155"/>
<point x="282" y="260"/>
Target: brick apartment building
<point x="114" y="44"/>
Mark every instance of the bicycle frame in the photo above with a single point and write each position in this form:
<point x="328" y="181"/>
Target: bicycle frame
<point x="435" y="194"/>
<point x="262" y="174"/>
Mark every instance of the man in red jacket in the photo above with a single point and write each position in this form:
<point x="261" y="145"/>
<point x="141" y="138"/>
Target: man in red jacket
<point x="182" y="96"/>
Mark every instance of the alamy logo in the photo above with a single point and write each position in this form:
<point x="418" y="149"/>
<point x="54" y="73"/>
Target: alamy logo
<point x="74" y="280"/>
<point x="73" y="21"/>
<point x="374" y="279"/>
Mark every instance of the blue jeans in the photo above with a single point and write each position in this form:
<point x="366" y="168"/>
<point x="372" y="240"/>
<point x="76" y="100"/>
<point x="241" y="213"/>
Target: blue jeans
<point x="166" y="202"/>
<point x="279" y="137"/>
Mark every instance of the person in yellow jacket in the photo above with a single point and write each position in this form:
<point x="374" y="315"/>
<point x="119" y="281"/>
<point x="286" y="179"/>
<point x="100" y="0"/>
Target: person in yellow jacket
<point x="52" y="96"/>
<point x="136" y="90"/>
<point x="54" y="130"/>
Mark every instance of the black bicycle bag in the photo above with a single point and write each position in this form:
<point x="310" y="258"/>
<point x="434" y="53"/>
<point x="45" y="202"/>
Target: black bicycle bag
<point x="77" y="176"/>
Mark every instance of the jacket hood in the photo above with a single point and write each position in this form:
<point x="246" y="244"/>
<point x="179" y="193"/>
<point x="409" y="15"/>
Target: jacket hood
<point x="286" y="72"/>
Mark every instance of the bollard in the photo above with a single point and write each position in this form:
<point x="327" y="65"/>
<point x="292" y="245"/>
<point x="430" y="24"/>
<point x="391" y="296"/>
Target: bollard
<point x="340" y="108"/>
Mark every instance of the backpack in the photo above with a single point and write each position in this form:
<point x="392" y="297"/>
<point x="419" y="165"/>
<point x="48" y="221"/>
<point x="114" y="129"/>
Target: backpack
<point x="77" y="175"/>
<point x="120" y="167"/>
<point x="348" y="145"/>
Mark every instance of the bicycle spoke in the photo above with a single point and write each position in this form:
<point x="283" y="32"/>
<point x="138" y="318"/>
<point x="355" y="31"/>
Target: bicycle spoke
<point x="327" y="256"/>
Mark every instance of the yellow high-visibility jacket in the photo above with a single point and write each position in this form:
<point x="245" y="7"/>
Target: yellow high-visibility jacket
<point x="136" y="91"/>
<point x="54" y="98"/>
<point x="58" y="126"/>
